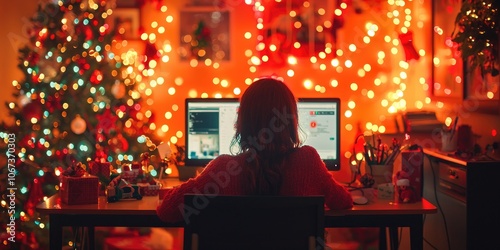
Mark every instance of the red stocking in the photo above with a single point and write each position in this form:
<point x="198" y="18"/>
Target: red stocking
<point x="407" y="42"/>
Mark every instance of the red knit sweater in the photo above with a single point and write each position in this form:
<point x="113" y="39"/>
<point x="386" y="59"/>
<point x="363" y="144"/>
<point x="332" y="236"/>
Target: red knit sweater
<point x="304" y="174"/>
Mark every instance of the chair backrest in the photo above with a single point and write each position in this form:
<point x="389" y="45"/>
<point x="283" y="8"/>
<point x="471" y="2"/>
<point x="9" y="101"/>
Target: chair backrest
<point x="253" y="222"/>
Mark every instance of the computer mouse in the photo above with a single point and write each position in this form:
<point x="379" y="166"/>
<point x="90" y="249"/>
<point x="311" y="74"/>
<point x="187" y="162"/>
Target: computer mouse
<point x="359" y="200"/>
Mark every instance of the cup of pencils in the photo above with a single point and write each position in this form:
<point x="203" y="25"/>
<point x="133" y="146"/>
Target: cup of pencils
<point x="380" y="160"/>
<point x="449" y="137"/>
<point x="448" y="141"/>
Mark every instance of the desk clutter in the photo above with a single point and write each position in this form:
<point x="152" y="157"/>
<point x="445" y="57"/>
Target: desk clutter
<point x="84" y="183"/>
<point x="380" y="179"/>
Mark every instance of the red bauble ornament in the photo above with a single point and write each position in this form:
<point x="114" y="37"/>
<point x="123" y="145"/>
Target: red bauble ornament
<point x="32" y="110"/>
<point x="118" y="144"/>
<point x="33" y="58"/>
<point x="96" y="77"/>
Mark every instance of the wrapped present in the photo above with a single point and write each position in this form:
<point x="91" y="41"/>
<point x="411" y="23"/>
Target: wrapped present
<point x="77" y="190"/>
<point x="99" y="168"/>
<point x="148" y="189"/>
<point x="103" y="171"/>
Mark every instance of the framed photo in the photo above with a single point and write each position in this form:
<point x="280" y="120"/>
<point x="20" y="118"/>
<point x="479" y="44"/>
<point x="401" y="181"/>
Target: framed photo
<point x="126" y="21"/>
<point x="447" y="67"/>
<point x="204" y="34"/>
<point x="302" y="34"/>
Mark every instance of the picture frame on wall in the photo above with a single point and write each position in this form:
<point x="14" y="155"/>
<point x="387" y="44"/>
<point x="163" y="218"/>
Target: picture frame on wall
<point x="127" y="23"/>
<point x="204" y="34"/>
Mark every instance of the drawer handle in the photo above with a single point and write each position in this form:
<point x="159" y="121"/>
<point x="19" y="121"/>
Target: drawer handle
<point x="453" y="174"/>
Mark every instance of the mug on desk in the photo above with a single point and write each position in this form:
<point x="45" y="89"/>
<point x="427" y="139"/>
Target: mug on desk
<point x="448" y="141"/>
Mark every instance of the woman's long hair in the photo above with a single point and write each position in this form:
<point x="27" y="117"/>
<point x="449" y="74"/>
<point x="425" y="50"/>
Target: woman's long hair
<point x="266" y="131"/>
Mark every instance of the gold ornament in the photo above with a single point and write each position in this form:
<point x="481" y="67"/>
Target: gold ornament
<point x="78" y="125"/>
<point x="118" y="90"/>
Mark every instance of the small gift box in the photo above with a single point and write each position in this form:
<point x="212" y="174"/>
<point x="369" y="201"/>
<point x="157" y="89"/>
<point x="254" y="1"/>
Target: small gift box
<point x="99" y="168"/>
<point x="79" y="190"/>
<point x="103" y="171"/>
<point x="148" y="189"/>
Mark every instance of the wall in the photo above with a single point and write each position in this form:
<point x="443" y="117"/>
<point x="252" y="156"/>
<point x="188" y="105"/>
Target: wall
<point x="379" y="84"/>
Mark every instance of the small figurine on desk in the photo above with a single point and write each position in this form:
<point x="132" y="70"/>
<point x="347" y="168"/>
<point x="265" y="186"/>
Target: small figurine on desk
<point x="406" y="194"/>
<point x="119" y="189"/>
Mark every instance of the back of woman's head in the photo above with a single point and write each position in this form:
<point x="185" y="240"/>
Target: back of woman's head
<point x="267" y="130"/>
<point x="267" y="117"/>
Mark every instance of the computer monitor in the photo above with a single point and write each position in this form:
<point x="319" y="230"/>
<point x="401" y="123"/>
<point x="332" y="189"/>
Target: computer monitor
<point x="319" y="122"/>
<point x="209" y="128"/>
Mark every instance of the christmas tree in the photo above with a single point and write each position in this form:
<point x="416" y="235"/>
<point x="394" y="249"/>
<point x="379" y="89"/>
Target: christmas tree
<point x="477" y="33"/>
<point x="78" y="102"/>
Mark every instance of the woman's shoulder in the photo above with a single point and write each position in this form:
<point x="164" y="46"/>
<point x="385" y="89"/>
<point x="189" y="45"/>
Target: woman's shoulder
<point x="307" y="153"/>
<point x="224" y="159"/>
<point x="307" y="149"/>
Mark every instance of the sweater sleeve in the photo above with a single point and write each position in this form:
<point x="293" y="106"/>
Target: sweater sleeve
<point x="211" y="180"/>
<point x="336" y="195"/>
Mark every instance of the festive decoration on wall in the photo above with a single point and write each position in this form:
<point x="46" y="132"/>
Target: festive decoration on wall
<point x="77" y="102"/>
<point x="409" y="49"/>
<point x="477" y="33"/>
<point x="202" y="41"/>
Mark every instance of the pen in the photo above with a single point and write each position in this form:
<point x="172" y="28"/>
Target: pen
<point x="454" y="128"/>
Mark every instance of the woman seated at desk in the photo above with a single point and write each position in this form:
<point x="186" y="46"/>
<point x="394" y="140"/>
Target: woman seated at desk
<point x="271" y="160"/>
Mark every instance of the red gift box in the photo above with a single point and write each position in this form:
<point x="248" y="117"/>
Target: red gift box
<point x="147" y="189"/>
<point x="79" y="190"/>
<point x="103" y="171"/>
<point x="99" y="168"/>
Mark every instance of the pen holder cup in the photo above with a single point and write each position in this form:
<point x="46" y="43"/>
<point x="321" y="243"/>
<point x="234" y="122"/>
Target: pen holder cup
<point x="381" y="173"/>
<point x="448" y="142"/>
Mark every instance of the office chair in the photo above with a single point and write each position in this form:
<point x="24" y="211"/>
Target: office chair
<point x="253" y="222"/>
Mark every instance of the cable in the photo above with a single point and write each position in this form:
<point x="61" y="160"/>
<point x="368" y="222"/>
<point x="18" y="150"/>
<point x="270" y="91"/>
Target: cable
<point x="438" y="204"/>
<point x="428" y="243"/>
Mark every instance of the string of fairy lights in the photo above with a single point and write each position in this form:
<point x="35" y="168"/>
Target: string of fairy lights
<point x="400" y="18"/>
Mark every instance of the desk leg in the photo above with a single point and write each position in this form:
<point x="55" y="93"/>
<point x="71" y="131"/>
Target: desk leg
<point x="417" y="232"/>
<point x="382" y="238"/>
<point x="393" y="236"/>
<point x="91" y="232"/>
<point x="55" y="232"/>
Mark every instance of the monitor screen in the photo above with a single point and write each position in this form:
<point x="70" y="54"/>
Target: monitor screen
<point x="209" y="128"/>
<point x="319" y="122"/>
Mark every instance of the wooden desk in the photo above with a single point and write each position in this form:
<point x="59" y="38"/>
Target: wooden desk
<point x="142" y="213"/>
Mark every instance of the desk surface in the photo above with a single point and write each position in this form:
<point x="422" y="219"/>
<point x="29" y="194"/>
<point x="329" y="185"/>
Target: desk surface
<point x="148" y="204"/>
